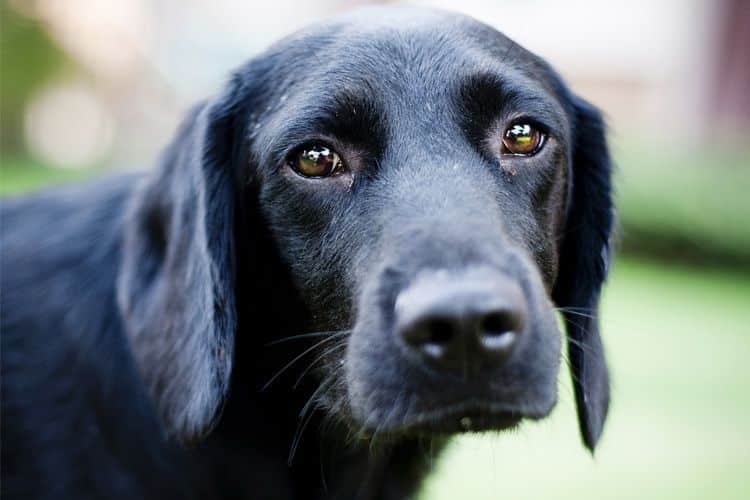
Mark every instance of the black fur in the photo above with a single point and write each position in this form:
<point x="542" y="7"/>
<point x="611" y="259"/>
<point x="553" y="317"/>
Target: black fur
<point x="149" y="320"/>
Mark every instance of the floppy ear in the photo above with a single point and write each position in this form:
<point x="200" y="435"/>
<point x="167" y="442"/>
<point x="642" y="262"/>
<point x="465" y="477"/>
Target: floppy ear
<point x="176" y="282"/>
<point x="584" y="261"/>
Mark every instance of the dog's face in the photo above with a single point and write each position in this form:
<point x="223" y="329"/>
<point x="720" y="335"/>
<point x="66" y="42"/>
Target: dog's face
<point x="432" y="188"/>
<point x="415" y="181"/>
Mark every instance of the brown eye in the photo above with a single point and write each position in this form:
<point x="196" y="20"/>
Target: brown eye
<point x="522" y="139"/>
<point x="316" y="160"/>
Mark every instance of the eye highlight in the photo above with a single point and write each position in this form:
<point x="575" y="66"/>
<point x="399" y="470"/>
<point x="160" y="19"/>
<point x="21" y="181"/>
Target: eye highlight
<point x="316" y="160"/>
<point x="522" y="139"/>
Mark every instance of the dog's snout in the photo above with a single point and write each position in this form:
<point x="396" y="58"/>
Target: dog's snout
<point x="461" y="322"/>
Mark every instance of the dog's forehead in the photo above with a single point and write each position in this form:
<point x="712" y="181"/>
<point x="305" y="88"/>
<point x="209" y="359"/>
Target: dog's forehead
<point x="412" y="46"/>
<point x="389" y="62"/>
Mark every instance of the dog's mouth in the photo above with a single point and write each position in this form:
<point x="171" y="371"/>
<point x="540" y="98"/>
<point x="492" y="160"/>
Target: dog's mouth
<point x="462" y="418"/>
<point x="457" y="421"/>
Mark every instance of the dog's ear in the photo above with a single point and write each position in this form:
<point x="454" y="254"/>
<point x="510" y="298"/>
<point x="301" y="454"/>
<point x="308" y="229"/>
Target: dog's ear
<point x="176" y="282"/>
<point x="584" y="260"/>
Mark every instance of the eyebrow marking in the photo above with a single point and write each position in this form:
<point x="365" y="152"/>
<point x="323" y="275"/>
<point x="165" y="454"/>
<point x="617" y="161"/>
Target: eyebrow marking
<point x="352" y="116"/>
<point x="483" y="98"/>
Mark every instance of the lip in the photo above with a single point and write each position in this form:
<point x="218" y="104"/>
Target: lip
<point x="458" y="422"/>
<point x="465" y="417"/>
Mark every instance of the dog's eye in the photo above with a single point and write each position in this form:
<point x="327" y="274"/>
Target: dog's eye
<point x="522" y="139"/>
<point x="316" y="160"/>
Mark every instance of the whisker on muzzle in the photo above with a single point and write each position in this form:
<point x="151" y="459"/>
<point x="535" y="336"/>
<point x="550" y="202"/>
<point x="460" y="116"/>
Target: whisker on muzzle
<point x="307" y="413"/>
<point x="329" y="338"/>
<point x="332" y="333"/>
<point x="314" y="362"/>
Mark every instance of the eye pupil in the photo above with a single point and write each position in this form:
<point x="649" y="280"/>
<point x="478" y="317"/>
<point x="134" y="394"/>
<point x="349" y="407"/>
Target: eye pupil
<point x="521" y="139"/>
<point x="316" y="161"/>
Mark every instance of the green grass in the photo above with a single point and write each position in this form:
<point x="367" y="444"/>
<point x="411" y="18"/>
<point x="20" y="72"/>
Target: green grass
<point x="22" y="175"/>
<point x="678" y="342"/>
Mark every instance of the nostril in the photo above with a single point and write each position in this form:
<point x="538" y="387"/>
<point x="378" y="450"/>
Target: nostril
<point x="432" y="336"/>
<point x="440" y="331"/>
<point x="498" y="331"/>
<point x="499" y="323"/>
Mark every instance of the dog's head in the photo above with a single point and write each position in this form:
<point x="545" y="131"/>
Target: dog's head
<point x="432" y="189"/>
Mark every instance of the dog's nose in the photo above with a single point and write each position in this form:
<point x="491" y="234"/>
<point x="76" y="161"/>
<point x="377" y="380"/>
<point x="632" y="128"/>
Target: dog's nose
<point x="461" y="322"/>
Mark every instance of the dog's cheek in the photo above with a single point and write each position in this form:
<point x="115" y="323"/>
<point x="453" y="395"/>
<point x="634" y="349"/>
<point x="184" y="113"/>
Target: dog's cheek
<point x="310" y="250"/>
<point x="545" y="349"/>
<point x="369" y="370"/>
<point x="359" y="370"/>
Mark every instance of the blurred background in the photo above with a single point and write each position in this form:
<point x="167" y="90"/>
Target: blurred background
<point x="87" y="87"/>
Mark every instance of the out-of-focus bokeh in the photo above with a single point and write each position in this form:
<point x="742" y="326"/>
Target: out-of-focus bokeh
<point x="91" y="86"/>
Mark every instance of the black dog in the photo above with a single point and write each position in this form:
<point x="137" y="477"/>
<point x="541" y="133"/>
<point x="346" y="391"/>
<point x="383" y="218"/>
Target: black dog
<point x="350" y="253"/>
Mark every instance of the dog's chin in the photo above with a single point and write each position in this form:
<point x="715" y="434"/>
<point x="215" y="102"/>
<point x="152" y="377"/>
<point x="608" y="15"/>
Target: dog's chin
<point x="459" y="418"/>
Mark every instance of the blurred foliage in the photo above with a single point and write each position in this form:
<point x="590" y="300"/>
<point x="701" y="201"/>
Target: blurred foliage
<point x="20" y="175"/>
<point x="29" y="59"/>
<point x="687" y="204"/>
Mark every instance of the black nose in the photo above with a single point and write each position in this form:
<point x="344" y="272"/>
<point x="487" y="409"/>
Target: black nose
<point x="461" y="322"/>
